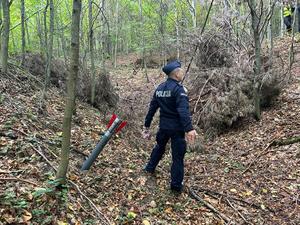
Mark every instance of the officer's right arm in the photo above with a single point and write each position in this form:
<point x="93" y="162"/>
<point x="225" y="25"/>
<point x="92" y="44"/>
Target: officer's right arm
<point x="182" y="106"/>
<point x="151" y="112"/>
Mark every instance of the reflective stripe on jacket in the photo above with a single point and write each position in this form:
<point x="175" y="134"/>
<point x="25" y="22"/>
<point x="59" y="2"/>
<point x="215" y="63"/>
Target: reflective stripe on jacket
<point x="287" y="11"/>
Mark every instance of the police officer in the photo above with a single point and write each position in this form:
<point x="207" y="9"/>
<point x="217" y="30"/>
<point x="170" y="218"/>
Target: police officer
<point x="175" y="122"/>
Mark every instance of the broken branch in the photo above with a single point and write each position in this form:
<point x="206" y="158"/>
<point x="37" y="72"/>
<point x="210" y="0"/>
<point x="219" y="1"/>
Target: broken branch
<point x="209" y="206"/>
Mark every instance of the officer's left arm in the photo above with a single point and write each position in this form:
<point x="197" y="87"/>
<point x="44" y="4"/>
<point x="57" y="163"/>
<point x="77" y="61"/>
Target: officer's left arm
<point x="151" y="112"/>
<point x="182" y="106"/>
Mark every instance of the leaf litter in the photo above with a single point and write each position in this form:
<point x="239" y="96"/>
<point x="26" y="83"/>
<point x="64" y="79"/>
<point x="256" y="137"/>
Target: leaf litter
<point x="239" y="173"/>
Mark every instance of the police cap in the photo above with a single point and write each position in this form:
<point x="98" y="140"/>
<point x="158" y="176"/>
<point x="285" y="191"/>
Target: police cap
<point x="167" y="69"/>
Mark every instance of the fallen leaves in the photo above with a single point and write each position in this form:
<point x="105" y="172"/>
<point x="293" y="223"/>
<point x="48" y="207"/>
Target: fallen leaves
<point x="26" y="216"/>
<point x="146" y="222"/>
<point x="119" y="188"/>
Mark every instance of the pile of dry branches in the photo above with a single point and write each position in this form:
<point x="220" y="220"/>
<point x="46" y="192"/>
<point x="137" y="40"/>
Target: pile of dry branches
<point x="222" y="83"/>
<point x="105" y="95"/>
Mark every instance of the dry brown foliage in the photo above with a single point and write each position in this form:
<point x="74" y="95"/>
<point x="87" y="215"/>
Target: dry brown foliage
<point x="105" y="94"/>
<point x="221" y="85"/>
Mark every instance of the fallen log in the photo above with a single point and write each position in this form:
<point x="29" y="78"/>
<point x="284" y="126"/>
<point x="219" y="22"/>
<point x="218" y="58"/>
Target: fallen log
<point x="287" y="141"/>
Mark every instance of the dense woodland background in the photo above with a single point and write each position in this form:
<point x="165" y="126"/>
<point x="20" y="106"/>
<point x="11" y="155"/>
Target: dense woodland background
<point x="66" y="66"/>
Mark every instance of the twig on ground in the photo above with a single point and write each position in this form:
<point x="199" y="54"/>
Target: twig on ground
<point x="8" y="171"/>
<point x="18" y="179"/>
<point x="296" y="207"/>
<point x="43" y="156"/>
<point x="210" y="207"/>
<point x="213" y="193"/>
<point x="237" y="211"/>
<point x="100" y="215"/>
<point x="80" y="152"/>
<point x="258" y="156"/>
<point x="277" y="185"/>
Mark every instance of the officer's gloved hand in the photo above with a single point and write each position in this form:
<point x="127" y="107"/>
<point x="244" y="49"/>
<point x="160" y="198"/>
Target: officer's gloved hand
<point x="146" y="133"/>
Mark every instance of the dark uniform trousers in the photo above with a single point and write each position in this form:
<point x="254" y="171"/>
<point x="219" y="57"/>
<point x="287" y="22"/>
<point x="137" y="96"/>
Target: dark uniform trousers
<point x="178" y="146"/>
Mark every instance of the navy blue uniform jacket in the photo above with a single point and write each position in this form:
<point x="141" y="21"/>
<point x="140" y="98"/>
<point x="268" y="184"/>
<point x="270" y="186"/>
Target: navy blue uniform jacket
<point x="173" y="102"/>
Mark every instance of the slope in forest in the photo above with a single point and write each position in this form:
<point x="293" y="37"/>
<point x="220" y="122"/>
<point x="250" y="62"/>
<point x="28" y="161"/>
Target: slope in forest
<point x="240" y="173"/>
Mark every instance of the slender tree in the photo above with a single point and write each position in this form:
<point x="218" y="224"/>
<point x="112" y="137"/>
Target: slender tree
<point x="91" y="42"/>
<point x="23" y="29"/>
<point x="257" y="68"/>
<point x="117" y="33"/>
<point x="62" y="35"/>
<point x="5" y="35"/>
<point x="49" y="47"/>
<point x="143" y="40"/>
<point x="270" y="33"/>
<point x="40" y="32"/>
<point x="71" y="89"/>
<point x="258" y="24"/>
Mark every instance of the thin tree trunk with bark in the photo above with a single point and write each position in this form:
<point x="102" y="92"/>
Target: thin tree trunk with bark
<point x="194" y="13"/>
<point x="177" y="33"/>
<point x="50" y="44"/>
<point x="116" y="40"/>
<point x="257" y="66"/>
<point x="143" y="40"/>
<point x="71" y="89"/>
<point x="162" y="30"/>
<point x="62" y="37"/>
<point x="5" y="35"/>
<point x="23" y="29"/>
<point x="40" y="33"/>
<point x="270" y="35"/>
<point x="91" y="42"/>
<point x="45" y="29"/>
<point x="27" y="34"/>
<point x="282" y="21"/>
<point x="1" y="24"/>
<point x="291" y="50"/>
<point x="49" y="52"/>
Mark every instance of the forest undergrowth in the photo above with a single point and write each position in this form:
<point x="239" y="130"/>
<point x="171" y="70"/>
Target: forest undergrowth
<point x="242" y="174"/>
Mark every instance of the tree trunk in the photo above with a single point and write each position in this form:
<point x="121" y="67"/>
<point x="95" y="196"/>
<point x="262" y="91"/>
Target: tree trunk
<point x="23" y="29"/>
<point x="143" y="40"/>
<point x="5" y="35"/>
<point x="1" y="23"/>
<point x="298" y="13"/>
<point x="40" y="33"/>
<point x="27" y="34"/>
<point x="270" y="35"/>
<point x="282" y="22"/>
<point x="62" y="37"/>
<point x="45" y="51"/>
<point x="194" y="13"/>
<point x="257" y="66"/>
<point x="71" y="89"/>
<point x="291" y="51"/>
<point x="162" y="30"/>
<point x="91" y="42"/>
<point x="116" y="40"/>
<point x="12" y="40"/>
<point x="49" y="48"/>
<point x="177" y="32"/>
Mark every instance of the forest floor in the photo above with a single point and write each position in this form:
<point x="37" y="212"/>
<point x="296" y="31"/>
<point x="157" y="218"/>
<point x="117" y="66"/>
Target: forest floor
<point x="240" y="173"/>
